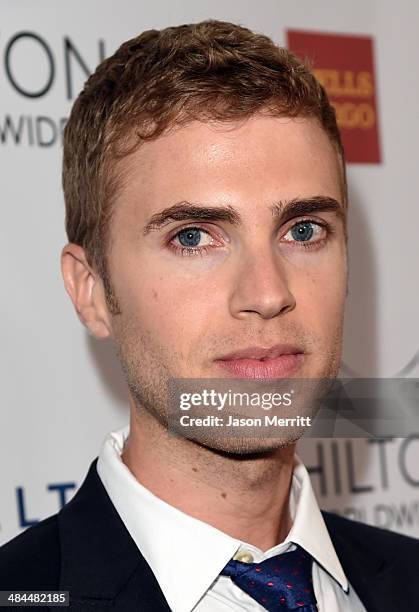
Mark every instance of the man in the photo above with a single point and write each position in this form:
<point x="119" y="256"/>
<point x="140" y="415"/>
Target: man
<point x="206" y="202"/>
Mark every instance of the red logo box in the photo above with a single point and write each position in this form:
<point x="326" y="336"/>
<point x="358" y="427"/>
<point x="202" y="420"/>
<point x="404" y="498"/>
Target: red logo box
<point x="345" y="66"/>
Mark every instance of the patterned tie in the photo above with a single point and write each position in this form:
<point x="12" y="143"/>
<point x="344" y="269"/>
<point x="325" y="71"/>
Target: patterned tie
<point x="280" y="583"/>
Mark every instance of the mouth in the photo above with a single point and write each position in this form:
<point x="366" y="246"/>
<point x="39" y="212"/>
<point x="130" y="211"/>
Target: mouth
<point x="278" y="361"/>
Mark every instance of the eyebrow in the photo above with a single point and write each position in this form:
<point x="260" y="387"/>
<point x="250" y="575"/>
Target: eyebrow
<point x="284" y="209"/>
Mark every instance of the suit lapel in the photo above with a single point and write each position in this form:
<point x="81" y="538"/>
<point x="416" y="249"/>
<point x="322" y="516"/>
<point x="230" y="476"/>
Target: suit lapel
<point x="101" y="563"/>
<point x="372" y="574"/>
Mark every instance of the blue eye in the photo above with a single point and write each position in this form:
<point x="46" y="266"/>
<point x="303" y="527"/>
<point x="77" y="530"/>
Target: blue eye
<point x="308" y="233"/>
<point x="302" y="231"/>
<point x="189" y="237"/>
<point x="192" y="241"/>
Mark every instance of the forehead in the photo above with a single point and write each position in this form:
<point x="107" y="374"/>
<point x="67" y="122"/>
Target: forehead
<point x="254" y="160"/>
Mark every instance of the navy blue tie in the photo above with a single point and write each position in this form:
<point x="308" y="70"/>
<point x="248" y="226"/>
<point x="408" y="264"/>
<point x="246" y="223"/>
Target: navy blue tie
<point x="282" y="582"/>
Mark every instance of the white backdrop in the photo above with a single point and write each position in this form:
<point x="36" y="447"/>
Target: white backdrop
<point x="61" y="390"/>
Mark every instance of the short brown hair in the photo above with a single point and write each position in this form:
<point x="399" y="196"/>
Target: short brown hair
<point x="211" y="70"/>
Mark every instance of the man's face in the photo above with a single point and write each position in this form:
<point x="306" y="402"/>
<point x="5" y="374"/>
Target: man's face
<point x="255" y="277"/>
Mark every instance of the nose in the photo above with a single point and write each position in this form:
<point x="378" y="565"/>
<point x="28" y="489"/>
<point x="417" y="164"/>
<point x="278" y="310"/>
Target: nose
<point x="261" y="286"/>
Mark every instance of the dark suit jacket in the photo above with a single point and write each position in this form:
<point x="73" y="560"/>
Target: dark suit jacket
<point x="86" y="549"/>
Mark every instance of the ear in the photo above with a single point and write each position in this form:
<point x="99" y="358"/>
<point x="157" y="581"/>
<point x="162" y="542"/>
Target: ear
<point x="85" y="288"/>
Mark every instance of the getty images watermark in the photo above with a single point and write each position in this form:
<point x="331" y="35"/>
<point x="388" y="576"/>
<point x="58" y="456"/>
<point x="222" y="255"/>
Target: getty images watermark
<point x="210" y="398"/>
<point x="241" y="407"/>
<point x="290" y="408"/>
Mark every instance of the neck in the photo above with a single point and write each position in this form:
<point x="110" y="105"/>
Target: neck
<point x="245" y="496"/>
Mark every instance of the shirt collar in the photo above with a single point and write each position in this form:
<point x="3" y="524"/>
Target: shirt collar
<point x="309" y="529"/>
<point x="173" y="542"/>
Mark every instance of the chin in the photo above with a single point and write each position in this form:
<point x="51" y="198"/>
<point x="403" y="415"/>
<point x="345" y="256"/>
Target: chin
<point x="247" y="446"/>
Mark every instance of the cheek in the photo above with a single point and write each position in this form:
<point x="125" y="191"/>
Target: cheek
<point x="168" y="307"/>
<point x="320" y="290"/>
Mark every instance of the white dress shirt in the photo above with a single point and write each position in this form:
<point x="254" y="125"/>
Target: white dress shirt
<point x="187" y="555"/>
